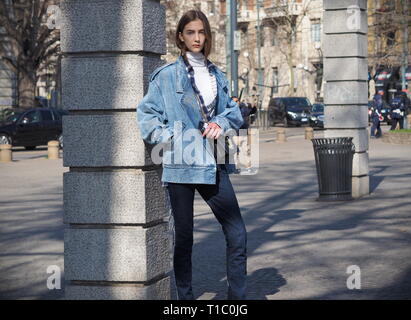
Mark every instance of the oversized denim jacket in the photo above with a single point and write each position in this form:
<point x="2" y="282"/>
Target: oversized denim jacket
<point x="171" y="104"/>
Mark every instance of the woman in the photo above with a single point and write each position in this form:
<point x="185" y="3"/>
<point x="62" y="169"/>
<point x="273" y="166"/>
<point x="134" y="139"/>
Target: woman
<point x="191" y="94"/>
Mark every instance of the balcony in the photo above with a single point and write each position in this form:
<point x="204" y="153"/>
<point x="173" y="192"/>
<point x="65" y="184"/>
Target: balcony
<point x="283" y="10"/>
<point x="249" y="15"/>
<point x="244" y="15"/>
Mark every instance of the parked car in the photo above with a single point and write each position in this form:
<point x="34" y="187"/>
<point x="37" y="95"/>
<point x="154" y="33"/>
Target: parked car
<point x="32" y="127"/>
<point x="7" y="112"/>
<point x="317" y="115"/>
<point x="289" y="111"/>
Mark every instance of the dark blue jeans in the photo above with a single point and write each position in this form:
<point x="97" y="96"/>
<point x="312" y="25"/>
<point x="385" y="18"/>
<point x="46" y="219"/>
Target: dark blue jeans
<point x="223" y="202"/>
<point x="394" y="122"/>
<point x="375" y="126"/>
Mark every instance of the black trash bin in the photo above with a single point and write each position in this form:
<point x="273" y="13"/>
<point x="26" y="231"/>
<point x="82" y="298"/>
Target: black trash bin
<point x="333" y="159"/>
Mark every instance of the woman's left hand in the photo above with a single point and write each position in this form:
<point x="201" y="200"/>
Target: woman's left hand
<point x="213" y="130"/>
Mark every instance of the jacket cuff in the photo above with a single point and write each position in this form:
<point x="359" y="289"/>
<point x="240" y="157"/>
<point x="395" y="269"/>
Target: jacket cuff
<point x="222" y="122"/>
<point x="162" y="135"/>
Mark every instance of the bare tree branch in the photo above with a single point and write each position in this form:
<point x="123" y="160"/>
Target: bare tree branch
<point x="26" y="44"/>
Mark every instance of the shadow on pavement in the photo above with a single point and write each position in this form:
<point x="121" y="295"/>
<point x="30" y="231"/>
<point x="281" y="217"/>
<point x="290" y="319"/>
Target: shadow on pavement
<point x="267" y="280"/>
<point x="291" y="196"/>
<point x="288" y="232"/>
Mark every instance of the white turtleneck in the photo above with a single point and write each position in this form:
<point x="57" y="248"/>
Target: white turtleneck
<point x="205" y="81"/>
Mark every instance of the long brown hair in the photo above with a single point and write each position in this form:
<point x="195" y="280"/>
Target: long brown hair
<point x="187" y="17"/>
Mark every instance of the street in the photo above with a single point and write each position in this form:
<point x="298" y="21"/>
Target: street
<point x="298" y="248"/>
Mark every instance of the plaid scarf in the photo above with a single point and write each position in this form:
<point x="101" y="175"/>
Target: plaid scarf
<point x="207" y="111"/>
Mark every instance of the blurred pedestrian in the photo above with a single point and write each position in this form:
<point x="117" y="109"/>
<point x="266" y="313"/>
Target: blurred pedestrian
<point x="397" y="112"/>
<point x="235" y="99"/>
<point x="407" y="107"/>
<point x="253" y="112"/>
<point x="376" y="116"/>
<point x="246" y="111"/>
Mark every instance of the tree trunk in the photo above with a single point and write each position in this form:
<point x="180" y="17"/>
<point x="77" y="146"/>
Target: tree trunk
<point x="26" y="90"/>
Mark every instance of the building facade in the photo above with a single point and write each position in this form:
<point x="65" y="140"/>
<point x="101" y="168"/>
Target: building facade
<point x="290" y="48"/>
<point x="290" y="45"/>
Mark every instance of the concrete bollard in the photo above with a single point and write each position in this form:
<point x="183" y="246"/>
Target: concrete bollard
<point x="53" y="150"/>
<point x="281" y="135"/>
<point x="309" y="133"/>
<point x="409" y="120"/>
<point x="5" y="153"/>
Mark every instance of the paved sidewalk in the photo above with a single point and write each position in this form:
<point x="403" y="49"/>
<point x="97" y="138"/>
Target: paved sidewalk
<point x="298" y="248"/>
<point x="31" y="224"/>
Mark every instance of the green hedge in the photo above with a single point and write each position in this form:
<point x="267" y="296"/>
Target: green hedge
<point x="401" y="130"/>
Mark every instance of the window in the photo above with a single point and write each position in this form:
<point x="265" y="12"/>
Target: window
<point x="275" y="81"/>
<point x="316" y="31"/>
<point x="223" y="11"/>
<point x="262" y="77"/>
<point x="251" y="4"/>
<point x="211" y="7"/>
<point x="245" y="5"/>
<point x="391" y="38"/>
<point x="269" y="3"/>
<point x="56" y="115"/>
<point x="59" y="114"/>
<point x="385" y="6"/>
<point x="46" y="115"/>
<point x="377" y="4"/>
<point x="31" y="117"/>
<point x="272" y="36"/>
<point x="261" y="35"/>
<point x="295" y="75"/>
<point x="243" y="36"/>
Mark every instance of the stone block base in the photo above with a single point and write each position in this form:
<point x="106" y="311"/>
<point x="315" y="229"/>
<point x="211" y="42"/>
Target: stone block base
<point x="360" y="186"/>
<point x="157" y="291"/>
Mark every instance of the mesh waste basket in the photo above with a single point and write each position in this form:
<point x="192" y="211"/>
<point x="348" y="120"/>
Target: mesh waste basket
<point x="333" y="159"/>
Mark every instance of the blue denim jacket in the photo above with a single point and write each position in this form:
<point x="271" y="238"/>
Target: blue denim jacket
<point x="169" y="109"/>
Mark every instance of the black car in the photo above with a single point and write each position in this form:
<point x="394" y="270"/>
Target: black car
<point x="289" y="111"/>
<point x="32" y="127"/>
<point x="317" y="115"/>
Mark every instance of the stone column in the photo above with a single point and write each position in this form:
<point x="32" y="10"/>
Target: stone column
<point x="115" y="241"/>
<point x="346" y="74"/>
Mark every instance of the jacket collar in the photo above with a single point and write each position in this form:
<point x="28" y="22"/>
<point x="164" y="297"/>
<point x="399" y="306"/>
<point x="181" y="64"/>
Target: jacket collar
<point x="182" y="81"/>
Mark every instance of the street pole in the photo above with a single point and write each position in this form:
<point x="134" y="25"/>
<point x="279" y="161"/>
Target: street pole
<point x="227" y="42"/>
<point x="234" y="56"/>
<point x="405" y="53"/>
<point x="260" y="74"/>
<point x="405" y="45"/>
